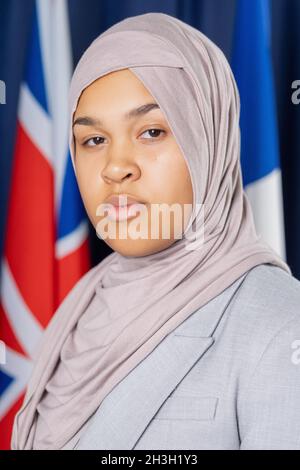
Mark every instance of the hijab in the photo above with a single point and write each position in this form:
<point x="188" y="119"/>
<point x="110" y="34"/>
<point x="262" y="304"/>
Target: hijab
<point x="138" y="301"/>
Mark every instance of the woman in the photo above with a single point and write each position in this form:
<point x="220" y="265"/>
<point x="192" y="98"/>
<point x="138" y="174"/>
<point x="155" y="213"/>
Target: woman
<point x="184" y="341"/>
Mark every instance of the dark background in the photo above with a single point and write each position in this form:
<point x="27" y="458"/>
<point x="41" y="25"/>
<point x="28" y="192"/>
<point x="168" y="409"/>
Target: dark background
<point x="215" y="18"/>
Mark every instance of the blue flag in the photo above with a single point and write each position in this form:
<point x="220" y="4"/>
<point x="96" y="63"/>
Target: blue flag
<point x="252" y="67"/>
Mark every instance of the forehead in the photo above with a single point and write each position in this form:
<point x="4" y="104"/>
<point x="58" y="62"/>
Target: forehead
<point x="118" y="86"/>
<point x="117" y="94"/>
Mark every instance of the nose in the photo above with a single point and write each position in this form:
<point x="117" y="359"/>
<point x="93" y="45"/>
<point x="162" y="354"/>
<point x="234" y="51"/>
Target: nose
<point x="117" y="171"/>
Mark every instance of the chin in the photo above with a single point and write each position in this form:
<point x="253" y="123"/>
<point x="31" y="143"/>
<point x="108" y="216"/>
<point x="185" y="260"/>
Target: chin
<point x="138" y="248"/>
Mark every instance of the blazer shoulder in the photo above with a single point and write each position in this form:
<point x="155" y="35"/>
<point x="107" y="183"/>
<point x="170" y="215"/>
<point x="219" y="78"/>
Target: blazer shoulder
<point x="268" y="402"/>
<point x="267" y="301"/>
<point x="270" y="295"/>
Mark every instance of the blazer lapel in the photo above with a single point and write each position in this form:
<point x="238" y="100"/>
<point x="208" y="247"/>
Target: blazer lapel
<point x="129" y="407"/>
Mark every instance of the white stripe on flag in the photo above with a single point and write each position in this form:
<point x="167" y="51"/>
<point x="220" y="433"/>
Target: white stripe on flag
<point x="66" y="245"/>
<point x="57" y="60"/>
<point x="265" y="196"/>
<point x="35" y="122"/>
<point x="23" y="321"/>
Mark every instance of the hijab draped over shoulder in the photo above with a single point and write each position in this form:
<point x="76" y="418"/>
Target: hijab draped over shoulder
<point x="140" y="300"/>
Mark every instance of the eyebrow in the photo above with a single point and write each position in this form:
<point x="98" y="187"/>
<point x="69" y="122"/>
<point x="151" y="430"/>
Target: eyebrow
<point x="136" y="112"/>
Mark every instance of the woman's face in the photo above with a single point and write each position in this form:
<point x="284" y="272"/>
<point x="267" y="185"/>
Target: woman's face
<point x="130" y="154"/>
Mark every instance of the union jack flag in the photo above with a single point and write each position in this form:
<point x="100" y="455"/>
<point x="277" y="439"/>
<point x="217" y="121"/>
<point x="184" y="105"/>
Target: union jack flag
<point x="46" y="243"/>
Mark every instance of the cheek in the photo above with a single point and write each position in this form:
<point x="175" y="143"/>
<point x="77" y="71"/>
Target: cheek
<point x="171" y="177"/>
<point x="90" y="186"/>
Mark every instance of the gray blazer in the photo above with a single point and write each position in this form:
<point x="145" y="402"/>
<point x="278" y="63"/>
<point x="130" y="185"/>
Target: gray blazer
<point x="227" y="378"/>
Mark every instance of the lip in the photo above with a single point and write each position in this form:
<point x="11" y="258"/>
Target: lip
<point x="122" y="207"/>
<point x="122" y="200"/>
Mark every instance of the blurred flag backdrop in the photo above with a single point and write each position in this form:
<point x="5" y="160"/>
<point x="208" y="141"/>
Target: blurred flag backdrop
<point x="252" y="67"/>
<point x="46" y="243"/>
<point x="46" y="227"/>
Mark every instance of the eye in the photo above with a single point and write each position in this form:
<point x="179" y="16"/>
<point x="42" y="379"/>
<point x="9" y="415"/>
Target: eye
<point x="93" y="141"/>
<point x="154" y="131"/>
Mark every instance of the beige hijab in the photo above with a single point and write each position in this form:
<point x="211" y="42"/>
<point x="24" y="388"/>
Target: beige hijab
<point x="138" y="301"/>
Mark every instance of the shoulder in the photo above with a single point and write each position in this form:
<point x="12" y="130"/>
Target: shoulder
<point x="262" y="321"/>
<point x="268" y="306"/>
<point x="268" y="299"/>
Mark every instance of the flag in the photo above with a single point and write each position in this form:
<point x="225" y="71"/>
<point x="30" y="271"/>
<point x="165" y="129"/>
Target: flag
<point x="260" y="160"/>
<point x="46" y="242"/>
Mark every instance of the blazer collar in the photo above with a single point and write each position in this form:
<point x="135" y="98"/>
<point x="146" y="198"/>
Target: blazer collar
<point x="129" y="407"/>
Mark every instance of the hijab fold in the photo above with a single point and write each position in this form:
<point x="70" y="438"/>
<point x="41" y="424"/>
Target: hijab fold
<point x="122" y="308"/>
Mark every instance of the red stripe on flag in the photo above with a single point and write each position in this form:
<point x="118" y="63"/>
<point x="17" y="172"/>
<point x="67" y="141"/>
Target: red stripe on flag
<point x="30" y="237"/>
<point x="71" y="268"/>
<point x="7" y="424"/>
